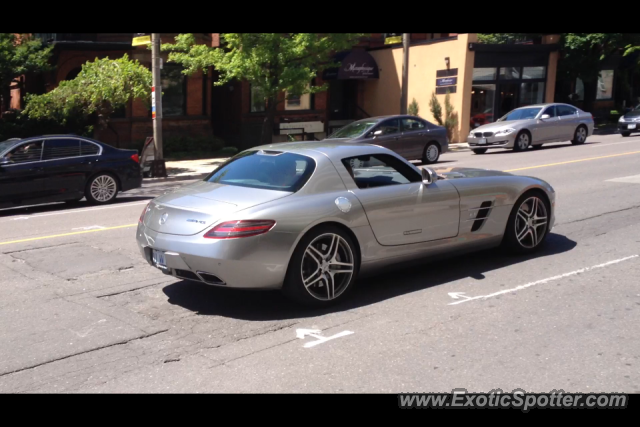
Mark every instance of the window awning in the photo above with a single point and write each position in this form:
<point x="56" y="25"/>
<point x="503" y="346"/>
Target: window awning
<point x="355" y="64"/>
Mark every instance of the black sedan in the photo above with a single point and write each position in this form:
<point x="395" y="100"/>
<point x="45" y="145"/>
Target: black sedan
<point x="630" y="122"/>
<point x="57" y="168"/>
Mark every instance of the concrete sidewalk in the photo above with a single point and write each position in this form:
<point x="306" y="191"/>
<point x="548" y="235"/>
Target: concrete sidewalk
<point x="195" y="169"/>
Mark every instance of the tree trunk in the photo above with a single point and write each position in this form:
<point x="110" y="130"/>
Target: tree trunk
<point x="267" y="125"/>
<point x="6" y="98"/>
<point x="590" y="90"/>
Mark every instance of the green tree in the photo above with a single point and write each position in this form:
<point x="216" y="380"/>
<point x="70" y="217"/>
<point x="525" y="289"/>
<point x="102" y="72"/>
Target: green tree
<point x="101" y="87"/>
<point x="273" y="62"/>
<point x="451" y="117"/>
<point x="436" y="108"/>
<point x="19" y="54"/>
<point x="413" y="108"/>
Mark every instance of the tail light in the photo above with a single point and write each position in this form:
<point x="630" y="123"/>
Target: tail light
<point x="242" y="228"/>
<point x="144" y="212"/>
<point x="135" y="158"/>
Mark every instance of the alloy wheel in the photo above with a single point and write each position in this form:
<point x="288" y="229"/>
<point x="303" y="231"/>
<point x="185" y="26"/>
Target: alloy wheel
<point x="103" y="188"/>
<point x="531" y="222"/>
<point x="327" y="266"/>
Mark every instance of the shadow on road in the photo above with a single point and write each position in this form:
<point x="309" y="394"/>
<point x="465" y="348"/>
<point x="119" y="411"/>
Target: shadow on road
<point x="272" y="305"/>
<point x="61" y="206"/>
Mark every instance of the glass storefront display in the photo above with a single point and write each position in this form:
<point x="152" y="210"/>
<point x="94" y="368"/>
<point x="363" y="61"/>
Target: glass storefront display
<point x="482" y="103"/>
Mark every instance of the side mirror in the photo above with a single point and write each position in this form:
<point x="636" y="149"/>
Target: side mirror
<point x="429" y="176"/>
<point x="545" y="116"/>
<point x="374" y="134"/>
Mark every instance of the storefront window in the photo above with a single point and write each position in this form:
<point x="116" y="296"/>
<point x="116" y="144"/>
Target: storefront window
<point x="531" y="93"/>
<point x="533" y="72"/>
<point x="509" y="73"/>
<point x="484" y="74"/>
<point x="605" y="85"/>
<point x="258" y="103"/>
<point x="302" y="102"/>
<point x="173" y="93"/>
<point x="482" y="102"/>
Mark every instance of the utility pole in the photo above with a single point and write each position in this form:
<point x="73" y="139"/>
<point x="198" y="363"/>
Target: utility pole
<point x="158" y="168"/>
<point x="405" y="74"/>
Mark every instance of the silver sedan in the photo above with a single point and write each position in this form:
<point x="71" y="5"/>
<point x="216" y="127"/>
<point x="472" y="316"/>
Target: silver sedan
<point x="534" y="126"/>
<point x="310" y="217"/>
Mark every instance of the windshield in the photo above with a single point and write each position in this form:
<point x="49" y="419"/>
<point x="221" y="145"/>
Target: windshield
<point x="271" y="170"/>
<point x="8" y="143"/>
<point x="354" y="129"/>
<point x="521" y="114"/>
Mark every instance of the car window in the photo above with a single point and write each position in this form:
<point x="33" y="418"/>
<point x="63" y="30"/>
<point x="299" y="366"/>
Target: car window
<point x="61" y="148"/>
<point x="354" y="129"/>
<point x="521" y="114"/>
<point x="412" y="124"/>
<point x="389" y="127"/>
<point x="25" y="153"/>
<point x="379" y="170"/>
<point x="565" y="110"/>
<point x="266" y="170"/>
<point x="8" y="143"/>
<point x="88" y="148"/>
<point x="551" y="111"/>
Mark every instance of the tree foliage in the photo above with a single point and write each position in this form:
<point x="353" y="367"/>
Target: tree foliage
<point x="20" y="54"/>
<point x="413" y="108"/>
<point x="450" y="117"/>
<point x="101" y="87"/>
<point x="273" y="62"/>
<point x="436" y="108"/>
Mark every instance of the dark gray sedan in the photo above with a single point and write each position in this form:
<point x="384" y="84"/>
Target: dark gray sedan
<point x="411" y="137"/>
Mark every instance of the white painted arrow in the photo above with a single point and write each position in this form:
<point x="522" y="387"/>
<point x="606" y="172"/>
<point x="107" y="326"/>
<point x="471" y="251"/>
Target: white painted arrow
<point x="93" y="227"/>
<point x="457" y="295"/>
<point x="300" y="333"/>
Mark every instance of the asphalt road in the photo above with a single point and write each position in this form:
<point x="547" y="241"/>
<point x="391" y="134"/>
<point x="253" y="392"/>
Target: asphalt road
<point x="82" y="312"/>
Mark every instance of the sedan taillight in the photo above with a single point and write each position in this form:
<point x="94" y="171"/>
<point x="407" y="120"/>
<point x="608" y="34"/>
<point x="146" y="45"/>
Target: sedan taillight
<point x="242" y="228"/>
<point x="135" y="158"/>
<point x="144" y="212"/>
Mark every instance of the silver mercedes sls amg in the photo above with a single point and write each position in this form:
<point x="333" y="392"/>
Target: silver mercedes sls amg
<point x="310" y="217"/>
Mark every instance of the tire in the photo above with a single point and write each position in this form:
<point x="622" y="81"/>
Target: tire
<point x="308" y="265"/>
<point x="625" y="133"/>
<point x="522" y="142"/>
<point x="532" y="238"/>
<point x="431" y="153"/>
<point x="580" y="135"/>
<point x="479" y="150"/>
<point x="537" y="147"/>
<point x="101" y="189"/>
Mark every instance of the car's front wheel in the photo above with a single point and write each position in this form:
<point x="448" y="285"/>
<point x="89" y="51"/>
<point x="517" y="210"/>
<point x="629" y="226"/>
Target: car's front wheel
<point x="101" y="189"/>
<point x="625" y="133"/>
<point x="528" y="224"/>
<point x="479" y="150"/>
<point x="522" y="141"/>
<point x="323" y="268"/>
<point x="431" y="153"/>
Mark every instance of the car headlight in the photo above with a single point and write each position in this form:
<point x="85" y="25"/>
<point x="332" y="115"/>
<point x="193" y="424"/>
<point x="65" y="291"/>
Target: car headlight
<point x="637" y="119"/>
<point x="506" y="131"/>
<point x="471" y="134"/>
<point x="621" y="119"/>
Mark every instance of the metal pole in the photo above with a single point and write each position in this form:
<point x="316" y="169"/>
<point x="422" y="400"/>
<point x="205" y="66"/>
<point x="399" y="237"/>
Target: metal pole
<point x="156" y="102"/>
<point x="405" y="74"/>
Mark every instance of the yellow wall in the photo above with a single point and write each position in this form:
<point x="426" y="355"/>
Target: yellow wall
<point x="382" y="96"/>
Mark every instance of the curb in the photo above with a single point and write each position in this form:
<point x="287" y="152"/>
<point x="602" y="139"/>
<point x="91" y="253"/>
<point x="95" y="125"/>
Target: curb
<point x="459" y="147"/>
<point x="174" y="178"/>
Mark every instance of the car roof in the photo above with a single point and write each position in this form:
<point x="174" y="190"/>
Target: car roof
<point x="336" y="150"/>
<point x="545" y="105"/>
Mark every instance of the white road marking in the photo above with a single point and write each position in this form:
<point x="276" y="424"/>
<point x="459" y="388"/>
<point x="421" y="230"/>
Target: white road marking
<point x="458" y="295"/>
<point x="540" y="282"/>
<point x="93" y="227"/>
<point x="301" y="333"/>
<point x="634" y="179"/>
<point x="120" y="205"/>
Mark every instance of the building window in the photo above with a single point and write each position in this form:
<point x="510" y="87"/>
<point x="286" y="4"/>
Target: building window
<point x="173" y="90"/>
<point x="482" y="102"/>
<point x="302" y="102"/>
<point x="605" y="85"/>
<point x="484" y="74"/>
<point x="509" y="73"/>
<point x="258" y="104"/>
<point x="534" y="72"/>
<point x="531" y="93"/>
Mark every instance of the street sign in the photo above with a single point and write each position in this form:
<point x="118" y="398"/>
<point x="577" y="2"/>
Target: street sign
<point x="392" y="38"/>
<point x="141" y="39"/>
<point x="447" y="81"/>
<point x="153" y="102"/>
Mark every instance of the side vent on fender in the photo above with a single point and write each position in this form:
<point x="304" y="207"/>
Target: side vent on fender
<point x="481" y="216"/>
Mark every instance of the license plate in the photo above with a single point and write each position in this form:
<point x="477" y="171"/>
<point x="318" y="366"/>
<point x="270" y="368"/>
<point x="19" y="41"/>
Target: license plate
<point x="158" y="259"/>
<point x="631" y="126"/>
<point x="482" y="141"/>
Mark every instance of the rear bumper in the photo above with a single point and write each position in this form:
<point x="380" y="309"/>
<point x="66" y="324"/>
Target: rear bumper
<point x="258" y="262"/>
<point x="132" y="179"/>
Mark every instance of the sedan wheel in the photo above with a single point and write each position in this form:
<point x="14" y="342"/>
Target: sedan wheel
<point x="102" y="189"/>
<point x="522" y="142"/>
<point x="479" y="150"/>
<point x="528" y="223"/>
<point x="580" y="136"/>
<point x="431" y="153"/>
<point x="625" y="133"/>
<point x="323" y="268"/>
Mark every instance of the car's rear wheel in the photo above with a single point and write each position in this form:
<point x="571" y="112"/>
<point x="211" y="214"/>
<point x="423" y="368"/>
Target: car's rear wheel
<point x="323" y="268"/>
<point x="625" y="133"/>
<point x="528" y="224"/>
<point x="431" y="153"/>
<point x="101" y="189"/>
<point x="522" y="141"/>
<point x="479" y="150"/>
<point x="580" y="135"/>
